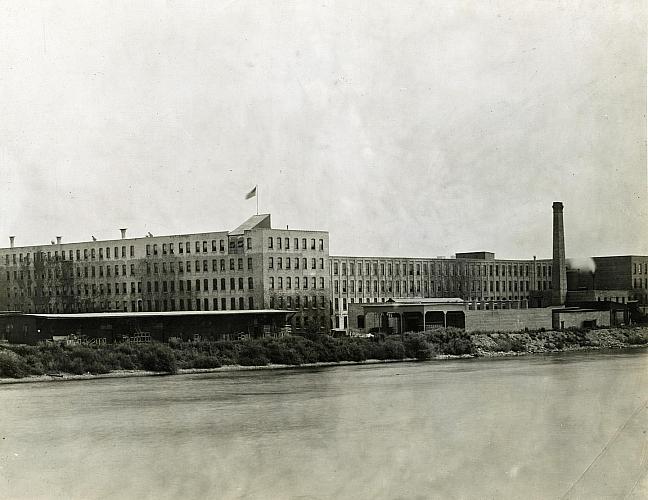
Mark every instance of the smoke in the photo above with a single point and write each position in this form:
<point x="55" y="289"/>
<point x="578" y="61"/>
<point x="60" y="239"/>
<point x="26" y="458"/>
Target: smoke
<point x="582" y="263"/>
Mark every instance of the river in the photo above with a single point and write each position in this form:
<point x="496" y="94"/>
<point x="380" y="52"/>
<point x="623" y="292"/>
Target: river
<point x="567" y="425"/>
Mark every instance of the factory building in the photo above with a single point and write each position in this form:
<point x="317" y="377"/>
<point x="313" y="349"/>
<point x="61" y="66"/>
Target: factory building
<point x="475" y="277"/>
<point x="252" y="267"/>
<point x="257" y="267"/>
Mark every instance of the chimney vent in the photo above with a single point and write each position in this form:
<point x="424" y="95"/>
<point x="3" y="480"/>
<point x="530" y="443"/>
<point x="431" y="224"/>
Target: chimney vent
<point x="58" y="240"/>
<point x="11" y="241"/>
<point x="559" y="271"/>
<point x="123" y="232"/>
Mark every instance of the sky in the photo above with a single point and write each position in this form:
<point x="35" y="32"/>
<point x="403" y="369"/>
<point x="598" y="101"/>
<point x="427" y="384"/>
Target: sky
<point x="403" y="128"/>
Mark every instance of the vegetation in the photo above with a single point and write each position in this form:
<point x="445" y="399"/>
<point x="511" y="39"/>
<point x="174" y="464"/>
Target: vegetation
<point x="18" y="361"/>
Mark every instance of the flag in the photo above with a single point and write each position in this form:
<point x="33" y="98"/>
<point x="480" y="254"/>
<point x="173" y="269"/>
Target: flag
<point x="251" y="194"/>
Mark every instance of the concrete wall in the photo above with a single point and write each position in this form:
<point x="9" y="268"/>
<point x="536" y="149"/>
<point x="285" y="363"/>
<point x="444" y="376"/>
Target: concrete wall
<point x="508" y="320"/>
<point x="575" y="319"/>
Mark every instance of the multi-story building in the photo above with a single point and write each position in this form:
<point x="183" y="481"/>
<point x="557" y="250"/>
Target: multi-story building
<point x="475" y="276"/>
<point x="252" y="267"/>
<point x="260" y="267"/>
<point x="614" y="278"/>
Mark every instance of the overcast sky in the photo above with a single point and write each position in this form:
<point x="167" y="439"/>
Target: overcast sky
<point x="403" y="128"/>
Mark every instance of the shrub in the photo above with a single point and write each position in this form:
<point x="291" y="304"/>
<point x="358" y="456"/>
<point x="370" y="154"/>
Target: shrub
<point x="158" y="358"/>
<point x="250" y="353"/>
<point x="205" y="361"/>
<point x="12" y="365"/>
<point x="416" y="347"/>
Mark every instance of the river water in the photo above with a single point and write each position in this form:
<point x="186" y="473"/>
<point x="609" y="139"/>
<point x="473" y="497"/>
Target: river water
<point x="565" y="425"/>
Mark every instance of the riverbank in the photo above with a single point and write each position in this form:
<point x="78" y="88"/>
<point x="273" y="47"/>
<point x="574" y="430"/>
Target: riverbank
<point x="19" y="363"/>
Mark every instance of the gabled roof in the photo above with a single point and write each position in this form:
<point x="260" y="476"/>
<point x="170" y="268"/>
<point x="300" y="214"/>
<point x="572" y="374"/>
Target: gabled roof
<point x="259" y="221"/>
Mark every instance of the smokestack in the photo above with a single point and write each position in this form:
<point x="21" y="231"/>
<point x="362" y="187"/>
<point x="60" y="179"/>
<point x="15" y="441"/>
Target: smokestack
<point x="123" y="232"/>
<point x="11" y="241"/>
<point x="58" y="240"/>
<point x="559" y="272"/>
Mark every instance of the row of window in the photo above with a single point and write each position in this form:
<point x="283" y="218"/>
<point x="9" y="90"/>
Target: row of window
<point x="216" y="266"/>
<point x="185" y="247"/>
<point x="376" y="268"/>
<point x="284" y="244"/>
<point x="298" y="302"/>
<point x="639" y="283"/>
<point x="92" y="271"/>
<point x="88" y="253"/>
<point x="294" y="263"/>
<point x="289" y="281"/>
<point x="235" y="284"/>
<point x="637" y="268"/>
<point x="415" y="286"/>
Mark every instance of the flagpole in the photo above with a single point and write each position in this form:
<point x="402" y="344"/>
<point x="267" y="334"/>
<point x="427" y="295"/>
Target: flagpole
<point x="257" y="199"/>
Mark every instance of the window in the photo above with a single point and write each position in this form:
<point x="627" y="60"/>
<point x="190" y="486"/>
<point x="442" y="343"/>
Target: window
<point x="270" y="263"/>
<point x="204" y="248"/>
<point x="287" y="244"/>
<point x="197" y="246"/>
<point x="250" y="284"/>
<point x="248" y="243"/>
<point x="296" y="243"/>
<point x="270" y="242"/>
<point x="321" y="244"/>
<point x="278" y="243"/>
<point x="271" y="283"/>
<point x="279" y="263"/>
<point x="240" y="283"/>
<point x="312" y="243"/>
<point x="249" y="264"/>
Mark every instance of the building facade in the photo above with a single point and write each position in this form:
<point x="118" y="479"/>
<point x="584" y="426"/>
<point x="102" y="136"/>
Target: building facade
<point x="474" y="276"/>
<point x="252" y="267"/>
<point x="617" y="278"/>
<point x="256" y="267"/>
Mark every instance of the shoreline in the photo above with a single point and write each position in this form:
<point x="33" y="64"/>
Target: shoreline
<point x="65" y="377"/>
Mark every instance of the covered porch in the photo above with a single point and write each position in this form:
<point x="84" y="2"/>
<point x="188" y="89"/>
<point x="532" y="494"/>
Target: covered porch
<point x="398" y="316"/>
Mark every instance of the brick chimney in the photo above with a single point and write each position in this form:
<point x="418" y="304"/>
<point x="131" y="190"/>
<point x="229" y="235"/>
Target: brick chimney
<point x="123" y="232"/>
<point x="559" y="268"/>
<point x="11" y="241"/>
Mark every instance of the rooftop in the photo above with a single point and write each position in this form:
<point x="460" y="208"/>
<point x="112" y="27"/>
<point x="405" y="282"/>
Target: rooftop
<point x="166" y="314"/>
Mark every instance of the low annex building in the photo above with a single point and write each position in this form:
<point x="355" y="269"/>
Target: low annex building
<point x="128" y="326"/>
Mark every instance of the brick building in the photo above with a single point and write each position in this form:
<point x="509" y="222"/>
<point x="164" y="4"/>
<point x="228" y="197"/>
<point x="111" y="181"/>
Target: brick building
<point x="252" y="267"/>
<point x="256" y="267"/>
<point x="617" y="278"/>
<point x="474" y="276"/>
